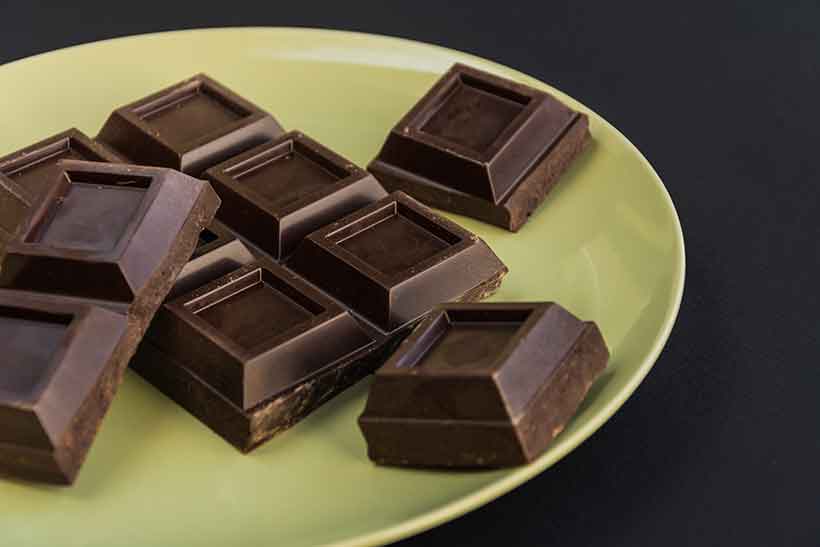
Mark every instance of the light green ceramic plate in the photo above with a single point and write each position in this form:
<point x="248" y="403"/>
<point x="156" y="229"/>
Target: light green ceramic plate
<point x="607" y="244"/>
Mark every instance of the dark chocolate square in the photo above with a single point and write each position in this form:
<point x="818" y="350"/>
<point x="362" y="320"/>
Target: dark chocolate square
<point x="481" y="145"/>
<point x="394" y="260"/>
<point x="28" y="173"/>
<point x="189" y="126"/>
<point x="288" y="178"/>
<point x="472" y="345"/>
<point x="255" y="332"/>
<point x="278" y="192"/>
<point x="102" y="230"/>
<point x="196" y="111"/>
<point x="466" y="339"/>
<point x="482" y="385"/>
<point x="62" y="359"/>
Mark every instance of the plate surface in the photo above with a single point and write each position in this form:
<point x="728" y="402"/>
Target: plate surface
<point x="607" y="244"/>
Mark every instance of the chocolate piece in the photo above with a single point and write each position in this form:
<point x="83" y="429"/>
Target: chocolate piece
<point x="26" y="174"/>
<point x="111" y="239"/>
<point x="278" y="192"/>
<point x="481" y="385"/>
<point x="256" y="331"/>
<point x="189" y="126"/>
<point x="105" y="231"/>
<point x="482" y="146"/>
<point x="254" y="351"/>
<point x="61" y="361"/>
<point x="394" y="260"/>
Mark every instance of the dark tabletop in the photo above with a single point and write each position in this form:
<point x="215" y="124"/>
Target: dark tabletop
<point x="719" y="446"/>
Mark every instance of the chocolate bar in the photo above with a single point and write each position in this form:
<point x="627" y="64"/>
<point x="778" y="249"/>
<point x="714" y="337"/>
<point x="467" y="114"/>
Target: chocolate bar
<point x="280" y="191"/>
<point x="190" y="126"/>
<point x="482" y="146"/>
<point x="251" y="345"/>
<point x="481" y="385"/>
<point x="26" y="174"/>
<point x="83" y="277"/>
<point x="395" y="259"/>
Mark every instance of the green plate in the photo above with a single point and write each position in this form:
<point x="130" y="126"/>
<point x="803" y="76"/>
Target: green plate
<point x="607" y="244"/>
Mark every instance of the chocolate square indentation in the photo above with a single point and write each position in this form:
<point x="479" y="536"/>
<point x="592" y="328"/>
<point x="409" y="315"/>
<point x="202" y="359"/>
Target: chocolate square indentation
<point x="90" y="217"/>
<point x="377" y="243"/>
<point x="31" y="339"/>
<point x="474" y="114"/>
<point x="469" y="345"/>
<point x="188" y="115"/>
<point x="277" y="193"/>
<point x="259" y="310"/>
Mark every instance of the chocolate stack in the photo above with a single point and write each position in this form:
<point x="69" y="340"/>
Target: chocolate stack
<point x="310" y="277"/>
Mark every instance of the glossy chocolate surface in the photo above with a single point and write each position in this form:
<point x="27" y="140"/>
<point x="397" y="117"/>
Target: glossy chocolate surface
<point x="278" y="192"/>
<point x="190" y="126"/>
<point x="482" y="385"/>
<point x="482" y="146"/>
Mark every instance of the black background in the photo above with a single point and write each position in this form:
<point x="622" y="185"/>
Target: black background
<point x="720" y="444"/>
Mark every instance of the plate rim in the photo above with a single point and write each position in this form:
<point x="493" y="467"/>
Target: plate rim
<point x="518" y="476"/>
